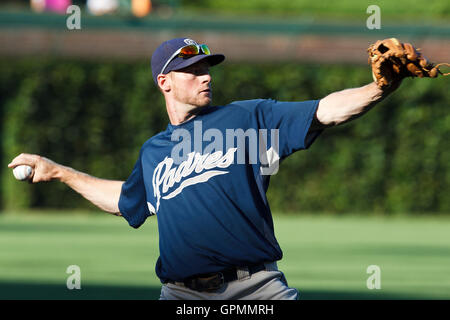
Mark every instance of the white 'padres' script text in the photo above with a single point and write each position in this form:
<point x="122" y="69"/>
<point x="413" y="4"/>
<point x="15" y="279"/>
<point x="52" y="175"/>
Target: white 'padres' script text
<point x="165" y="175"/>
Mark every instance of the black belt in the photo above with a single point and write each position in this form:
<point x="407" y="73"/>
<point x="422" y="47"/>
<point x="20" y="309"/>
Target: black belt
<point x="214" y="281"/>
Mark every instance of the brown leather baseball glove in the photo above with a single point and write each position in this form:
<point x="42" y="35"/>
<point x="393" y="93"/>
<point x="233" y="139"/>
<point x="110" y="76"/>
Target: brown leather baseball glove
<point x="392" y="61"/>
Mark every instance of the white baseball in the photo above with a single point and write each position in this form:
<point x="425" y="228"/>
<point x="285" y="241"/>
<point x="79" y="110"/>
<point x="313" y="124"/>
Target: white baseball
<point x="22" y="172"/>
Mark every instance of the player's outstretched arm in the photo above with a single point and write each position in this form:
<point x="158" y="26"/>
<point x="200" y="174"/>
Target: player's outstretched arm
<point x="346" y="105"/>
<point x="103" y="193"/>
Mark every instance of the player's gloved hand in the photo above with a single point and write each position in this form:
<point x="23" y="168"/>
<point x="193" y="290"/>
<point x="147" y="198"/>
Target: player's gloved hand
<point x="392" y="61"/>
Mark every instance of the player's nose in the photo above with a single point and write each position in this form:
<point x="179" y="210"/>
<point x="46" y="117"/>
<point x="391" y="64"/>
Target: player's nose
<point x="206" y="77"/>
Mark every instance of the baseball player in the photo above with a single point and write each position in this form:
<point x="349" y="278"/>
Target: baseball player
<point x="216" y="232"/>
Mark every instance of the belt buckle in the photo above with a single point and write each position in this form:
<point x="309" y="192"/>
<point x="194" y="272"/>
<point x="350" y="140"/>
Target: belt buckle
<point x="208" y="282"/>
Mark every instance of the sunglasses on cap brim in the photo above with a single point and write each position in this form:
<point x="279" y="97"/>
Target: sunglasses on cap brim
<point x="187" y="52"/>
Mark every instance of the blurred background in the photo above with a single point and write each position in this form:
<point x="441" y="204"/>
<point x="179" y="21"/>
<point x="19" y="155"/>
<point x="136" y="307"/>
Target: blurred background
<point x="373" y="191"/>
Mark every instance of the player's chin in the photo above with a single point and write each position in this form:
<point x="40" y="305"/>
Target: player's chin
<point x="204" y="101"/>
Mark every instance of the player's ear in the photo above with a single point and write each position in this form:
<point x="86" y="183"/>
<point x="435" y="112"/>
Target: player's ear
<point x="164" y="82"/>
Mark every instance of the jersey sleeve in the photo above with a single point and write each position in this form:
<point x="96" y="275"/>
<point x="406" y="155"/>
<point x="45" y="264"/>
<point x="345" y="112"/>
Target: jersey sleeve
<point x="293" y="121"/>
<point x="132" y="203"/>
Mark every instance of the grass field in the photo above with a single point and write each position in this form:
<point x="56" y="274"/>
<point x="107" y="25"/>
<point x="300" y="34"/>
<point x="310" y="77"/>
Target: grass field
<point x="400" y="10"/>
<point x="324" y="257"/>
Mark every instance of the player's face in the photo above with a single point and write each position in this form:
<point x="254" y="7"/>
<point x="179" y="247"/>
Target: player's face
<point x="192" y="85"/>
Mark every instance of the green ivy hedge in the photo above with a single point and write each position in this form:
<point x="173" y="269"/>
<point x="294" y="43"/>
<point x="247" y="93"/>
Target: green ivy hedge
<point x="95" y="116"/>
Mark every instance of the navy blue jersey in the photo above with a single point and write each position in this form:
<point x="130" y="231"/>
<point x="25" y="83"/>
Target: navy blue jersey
<point x="206" y="181"/>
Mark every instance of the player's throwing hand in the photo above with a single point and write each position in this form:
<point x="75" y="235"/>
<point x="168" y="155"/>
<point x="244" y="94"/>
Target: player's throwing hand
<point x="43" y="169"/>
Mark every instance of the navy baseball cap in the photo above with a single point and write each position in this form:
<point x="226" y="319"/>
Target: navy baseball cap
<point x="167" y="49"/>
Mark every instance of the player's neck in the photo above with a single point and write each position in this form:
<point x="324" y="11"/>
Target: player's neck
<point x="181" y="113"/>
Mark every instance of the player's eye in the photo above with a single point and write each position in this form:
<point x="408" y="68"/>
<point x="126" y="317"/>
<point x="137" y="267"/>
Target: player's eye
<point x="201" y="71"/>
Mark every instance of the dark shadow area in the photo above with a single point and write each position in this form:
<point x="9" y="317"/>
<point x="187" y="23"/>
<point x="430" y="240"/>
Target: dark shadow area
<point x="355" y="295"/>
<point x="35" y="291"/>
